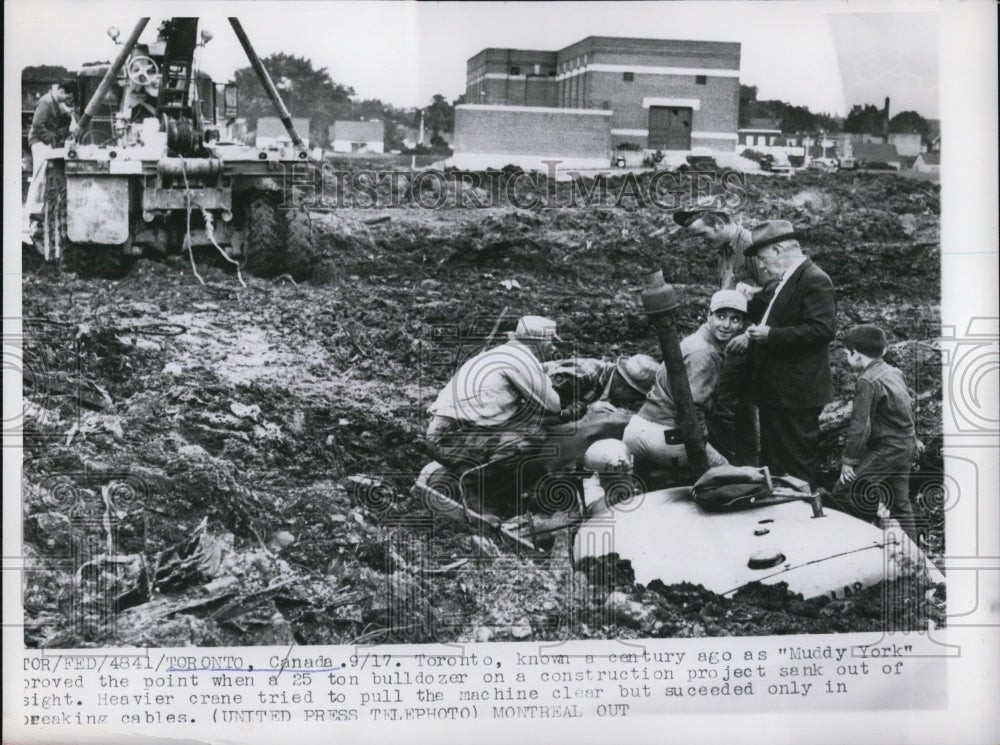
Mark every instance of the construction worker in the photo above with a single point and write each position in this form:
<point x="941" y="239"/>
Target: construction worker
<point x="623" y="383"/>
<point x="51" y="124"/>
<point x="498" y="403"/>
<point x="734" y="427"/>
<point x="721" y="234"/>
<point x="610" y="391"/>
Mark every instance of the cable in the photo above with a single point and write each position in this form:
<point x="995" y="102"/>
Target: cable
<point x="210" y="232"/>
<point x="187" y="234"/>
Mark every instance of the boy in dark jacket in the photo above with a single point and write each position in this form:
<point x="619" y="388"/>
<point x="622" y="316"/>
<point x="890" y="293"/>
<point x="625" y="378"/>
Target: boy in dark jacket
<point x="881" y="439"/>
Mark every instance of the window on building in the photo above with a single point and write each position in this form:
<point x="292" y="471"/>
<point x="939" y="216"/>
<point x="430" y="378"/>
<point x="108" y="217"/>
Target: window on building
<point x="538" y="69"/>
<point x="606" y="105"/>
<point x="515" y="70"/>
<point x="628" y="77"/>
<point x="701" y="79"/>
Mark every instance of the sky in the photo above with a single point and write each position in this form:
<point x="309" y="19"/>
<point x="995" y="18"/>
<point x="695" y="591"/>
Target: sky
<point x="826" y="56"/>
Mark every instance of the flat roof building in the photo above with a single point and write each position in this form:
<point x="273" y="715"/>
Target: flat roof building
<point x="662" y="94"/>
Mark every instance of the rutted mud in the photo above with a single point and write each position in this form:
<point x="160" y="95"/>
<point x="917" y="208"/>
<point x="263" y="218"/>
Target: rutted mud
<point x="215" y="428"/>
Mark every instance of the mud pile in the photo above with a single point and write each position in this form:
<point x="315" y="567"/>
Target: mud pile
<point x="232" y="466"/>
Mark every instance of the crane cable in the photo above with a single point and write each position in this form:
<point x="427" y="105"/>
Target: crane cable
<point x="209" y="230"/>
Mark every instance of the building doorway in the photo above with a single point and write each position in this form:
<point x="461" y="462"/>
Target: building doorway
<point x="669" y="128"/>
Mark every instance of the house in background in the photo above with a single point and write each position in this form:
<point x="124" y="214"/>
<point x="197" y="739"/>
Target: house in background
<point x="759" y="133"/>
<point x="271" y="132"/>
<point x="906" y="143"/>
<point x="877" y="153"/>
<point x="357" y="137"/>
<point x="928" y="162"/>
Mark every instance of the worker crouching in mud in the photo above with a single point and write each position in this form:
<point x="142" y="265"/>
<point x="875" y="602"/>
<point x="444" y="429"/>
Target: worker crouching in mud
<point x="494" y="413"/>
<point x="508" y="417"/>
<point x="653" y="435"/>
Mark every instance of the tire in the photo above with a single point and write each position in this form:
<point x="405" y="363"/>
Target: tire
<point x="299" y="246"/>
<point x="264" y="244"/>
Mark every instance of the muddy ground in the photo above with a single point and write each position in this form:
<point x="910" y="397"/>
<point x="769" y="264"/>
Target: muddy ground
<point x="189" y="448"/>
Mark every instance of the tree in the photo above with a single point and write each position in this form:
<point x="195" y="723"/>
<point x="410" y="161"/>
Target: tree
<point x="829" y="123"/>
<point x="909" y="122"/>
<point x="36" y="81"/>
<point x="867" y="119"/>
<point x="797" y="119"/>
<point x="306" y="92"/>
<point x="748" y="95"/>
<point x="439" y="116"/>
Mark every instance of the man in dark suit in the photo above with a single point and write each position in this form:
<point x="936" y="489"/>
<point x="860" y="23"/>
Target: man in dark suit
<point x="792" y="379"/>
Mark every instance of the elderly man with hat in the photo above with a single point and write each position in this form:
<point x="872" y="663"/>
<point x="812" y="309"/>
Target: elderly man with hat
<point x="653" y="435"/>
<point x="792" y="377"/>
<point x="497" y="404"/>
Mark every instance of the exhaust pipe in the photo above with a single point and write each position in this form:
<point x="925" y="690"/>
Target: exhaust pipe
<point x="659" y="301"/>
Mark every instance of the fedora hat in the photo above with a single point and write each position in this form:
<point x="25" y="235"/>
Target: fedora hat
<point x="772" y="231"/>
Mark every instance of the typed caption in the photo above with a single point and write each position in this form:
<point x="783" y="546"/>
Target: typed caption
<point x="180" y="688"/>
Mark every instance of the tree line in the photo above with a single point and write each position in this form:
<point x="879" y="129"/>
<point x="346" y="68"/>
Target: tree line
<point x="861" y="119"/>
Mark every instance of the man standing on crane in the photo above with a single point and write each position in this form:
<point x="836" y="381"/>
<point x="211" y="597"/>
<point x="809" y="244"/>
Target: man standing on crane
<point x="52" y="123"/>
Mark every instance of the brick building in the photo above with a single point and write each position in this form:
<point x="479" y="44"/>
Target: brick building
<point x="662" y="94"/>
<point x="494" y="136"/>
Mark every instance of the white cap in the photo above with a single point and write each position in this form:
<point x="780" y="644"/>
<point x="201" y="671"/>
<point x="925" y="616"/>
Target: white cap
<point x="730" y="299"/>
<point x="535" y="327"/>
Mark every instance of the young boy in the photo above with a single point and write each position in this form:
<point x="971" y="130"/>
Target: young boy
<point x="881" y="440"/>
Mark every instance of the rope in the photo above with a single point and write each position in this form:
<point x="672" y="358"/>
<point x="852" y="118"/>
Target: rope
<point x="210" y="232"/>
<point x="187" y="233"/>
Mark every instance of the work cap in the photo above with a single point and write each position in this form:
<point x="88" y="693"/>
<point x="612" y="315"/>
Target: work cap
<point x="867" y="339"/>
<point x="639" y="371"/>
<point x="535" y="328"/>
<point x="685" y="218"/>
<point x="772" y="231"/>
<point x="729" y="299"/>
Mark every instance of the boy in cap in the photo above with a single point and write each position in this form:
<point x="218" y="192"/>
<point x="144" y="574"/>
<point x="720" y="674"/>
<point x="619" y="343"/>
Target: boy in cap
<point x="652" y="435"/>
<point x="881" y="438"/>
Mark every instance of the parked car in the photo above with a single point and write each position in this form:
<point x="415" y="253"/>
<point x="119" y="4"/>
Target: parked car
<point x="823" y="164"/>
<point x="776" y="163"/>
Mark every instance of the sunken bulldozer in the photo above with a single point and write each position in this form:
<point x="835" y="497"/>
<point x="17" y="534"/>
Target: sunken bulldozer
<point x="723" y="528"/>
<point x="160" y="174"/>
